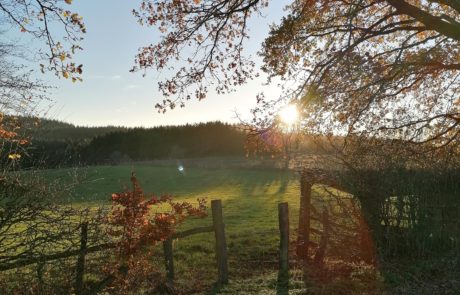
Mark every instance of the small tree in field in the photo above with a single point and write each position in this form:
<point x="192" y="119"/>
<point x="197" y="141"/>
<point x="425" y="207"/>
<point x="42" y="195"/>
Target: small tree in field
<point x="138" y="221"/>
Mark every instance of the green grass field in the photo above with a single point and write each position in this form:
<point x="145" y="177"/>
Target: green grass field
<point x="249" y="198"/>
<point x="97" y="183"/>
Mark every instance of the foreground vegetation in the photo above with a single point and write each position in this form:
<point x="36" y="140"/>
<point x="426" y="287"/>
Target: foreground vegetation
<point x="250" y="198"/>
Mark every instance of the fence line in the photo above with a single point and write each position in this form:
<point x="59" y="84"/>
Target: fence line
<point x="218" y="228"/>
<point x="80" y="269"/>
<point x="56" y="256"/>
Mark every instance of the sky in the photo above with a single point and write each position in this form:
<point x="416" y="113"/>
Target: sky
<point x="111" y="95"/>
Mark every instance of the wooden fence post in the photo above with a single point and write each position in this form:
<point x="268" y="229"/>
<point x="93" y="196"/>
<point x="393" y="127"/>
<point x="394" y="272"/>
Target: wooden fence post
<point x="366" y="243"/>
<point x="319" y="256"/>
<point x="283" y="274"/>
<point x="303" y="238"/>
<point x="169" y="259"/>
<point x="221" y="244"/>
<point x="80" y="270"/>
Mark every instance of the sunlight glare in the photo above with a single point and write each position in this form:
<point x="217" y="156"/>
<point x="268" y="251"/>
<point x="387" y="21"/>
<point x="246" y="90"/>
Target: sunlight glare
<point x="289" y="114"/>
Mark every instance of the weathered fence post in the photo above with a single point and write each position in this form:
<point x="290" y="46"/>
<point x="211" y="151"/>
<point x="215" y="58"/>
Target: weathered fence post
<point x="283" y="274"/>
<point x="81" y="259"/>
<point x="169" y="259"/>
<point x="366" y="243"/>
<point x="221" y="244"/>
<point x="303" y="238"/>
<point x="319" y="256"/>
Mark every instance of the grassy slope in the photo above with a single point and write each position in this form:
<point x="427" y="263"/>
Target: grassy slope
<point x="249" y="197"/>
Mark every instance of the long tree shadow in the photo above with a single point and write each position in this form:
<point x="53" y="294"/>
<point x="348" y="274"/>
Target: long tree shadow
<point x="216" y="288"/>
<point x="282" y="286"/>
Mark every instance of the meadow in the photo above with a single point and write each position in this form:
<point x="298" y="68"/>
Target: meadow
<point x="249" y="198"/>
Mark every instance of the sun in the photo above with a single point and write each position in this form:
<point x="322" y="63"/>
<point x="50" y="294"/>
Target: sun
<point x="289" y="114"/>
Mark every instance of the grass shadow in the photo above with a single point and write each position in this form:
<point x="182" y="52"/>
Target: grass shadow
<point x="282" y="285"/>
<point x="216" y="288"/>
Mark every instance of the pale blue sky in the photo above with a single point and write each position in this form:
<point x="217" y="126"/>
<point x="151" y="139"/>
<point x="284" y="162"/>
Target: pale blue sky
<point x="110" y="95"/>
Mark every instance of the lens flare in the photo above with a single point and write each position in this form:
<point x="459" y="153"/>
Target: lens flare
<point x="289" y="114"/>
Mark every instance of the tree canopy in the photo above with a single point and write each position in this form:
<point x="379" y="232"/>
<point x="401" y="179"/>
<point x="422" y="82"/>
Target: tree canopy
<point x="388" y="68"/>
<point x="58" y="32"/>
<point x="54" y="25"/>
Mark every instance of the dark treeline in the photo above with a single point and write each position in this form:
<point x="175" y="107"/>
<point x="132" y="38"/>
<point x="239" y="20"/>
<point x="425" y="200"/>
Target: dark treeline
<point x="47" y="130"/>
<point x="139" y="144"/>
<point x="60" y="144"/>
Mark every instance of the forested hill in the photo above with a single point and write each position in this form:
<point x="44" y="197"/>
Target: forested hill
<point x="56" y="143"/>
<point x="208" y="139"/>
<point x="54" y="130"/>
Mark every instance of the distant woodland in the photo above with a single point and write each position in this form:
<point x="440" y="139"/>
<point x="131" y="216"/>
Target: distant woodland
<point x="55" y="143"/>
